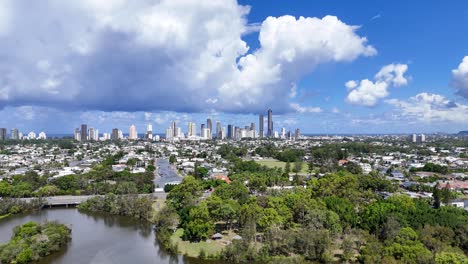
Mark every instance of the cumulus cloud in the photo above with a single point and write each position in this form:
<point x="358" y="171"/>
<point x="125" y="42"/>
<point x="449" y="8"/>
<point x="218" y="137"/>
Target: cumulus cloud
<point x="168" y="55"/>
<point x="368" y="93"/>
<point x="427" y="107"/>
<point x="460" y="78"/>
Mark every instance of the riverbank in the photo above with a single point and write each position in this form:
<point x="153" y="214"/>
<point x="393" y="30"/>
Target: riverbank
<point x="207" y="249"/>
<point x="33" y="241"/>
<point x="99" y="238"/>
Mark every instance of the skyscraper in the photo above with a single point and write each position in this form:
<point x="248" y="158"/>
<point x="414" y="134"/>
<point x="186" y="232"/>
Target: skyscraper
<point x="91" y="134"/>
<point x="84" y="132"/>
<point x="3" y="134"/>
<point x="202" y="129"/>
<point x="230" y="131"/>
<point x="132" y="134"/>
<point x="270" y="123"/>
<point x="192" y="129"/>
<point x="169" y="133"/>
<point x="115" y="134"/>
<point x="209" y="125"/>
<point x="219" y="131"/>
<point x="149" y="132"/>
<point x="77" y="134"/>
<point x="298" y="133"/>
<point x="14" y="134"/>
<point x="261" y="121"/>
<point x="174" y="129"/>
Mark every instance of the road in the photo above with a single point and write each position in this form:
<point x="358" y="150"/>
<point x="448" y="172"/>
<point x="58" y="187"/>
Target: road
<point x="165" y="173"/>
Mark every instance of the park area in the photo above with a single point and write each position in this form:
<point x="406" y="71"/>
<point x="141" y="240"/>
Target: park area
<point x="273" y="163"/>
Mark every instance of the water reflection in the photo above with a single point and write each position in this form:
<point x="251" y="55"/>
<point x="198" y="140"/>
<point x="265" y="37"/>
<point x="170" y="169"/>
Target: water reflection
<point x="99" y="238"/>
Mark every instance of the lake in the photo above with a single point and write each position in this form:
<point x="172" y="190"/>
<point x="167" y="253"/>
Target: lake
<point x="99" y="238"/>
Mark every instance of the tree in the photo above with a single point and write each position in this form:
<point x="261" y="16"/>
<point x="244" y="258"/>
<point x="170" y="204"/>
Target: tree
<point x="450" y="258"/>
<point x="436" y="195"/>
<point x="199" y="227"/>
<point x="172" y="159"/>
<point x="185" y="194"/>
<point x="297" y="166"/>
<point x="287" y="168"/>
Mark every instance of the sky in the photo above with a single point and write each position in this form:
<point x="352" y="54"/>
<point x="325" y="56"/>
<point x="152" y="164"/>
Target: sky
<point x="321" y="66"/>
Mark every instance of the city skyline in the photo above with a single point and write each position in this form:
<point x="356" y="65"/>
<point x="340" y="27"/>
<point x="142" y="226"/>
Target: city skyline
<point x="378" y="73"/>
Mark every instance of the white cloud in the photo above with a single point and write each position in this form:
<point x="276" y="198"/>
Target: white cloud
<point x="351" y="85"/>
<point x="460" y="78"/>
<point x="289" y="49"/>
<point x="168" y="55"/>
<point x="368" y="93"/>
<point x="393" y="74"/>
<point x="427" y="107"/>
<point x="301" y="109"/>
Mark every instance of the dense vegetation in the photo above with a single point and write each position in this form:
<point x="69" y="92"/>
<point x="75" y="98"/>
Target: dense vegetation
<point x="32" y="241"/>
<point x="15" y="206"/>
<point x="100" y="180"/>
<point x="431" y="167"/>
<point x="128" y="205"/>
<point x="336" y="218"/>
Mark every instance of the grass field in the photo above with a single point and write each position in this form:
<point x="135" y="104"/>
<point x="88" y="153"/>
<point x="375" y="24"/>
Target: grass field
<point x="272" y="163"/>
<point x="211" y="247"/>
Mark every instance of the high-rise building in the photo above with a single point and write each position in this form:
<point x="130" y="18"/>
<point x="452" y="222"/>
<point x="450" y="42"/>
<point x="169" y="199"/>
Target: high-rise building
<point x="174" y="129"/>
<point x="149" y="132"/>
<point x="77" y="134"/>
<point x="205" y="134"/>
<point x="169" y="133"/>
<point x="115" y="134"/>
<point x="421" y="138"/>
<point x="42" y="135"/>
<point x="209" y="125"/>
<point x="297" y="135"/>
<point x="132" y="133"/>
<point x="31" y="135"/>
<point x="92" y="134"/>
<point x="283" y="133"/>
<point x="84" y="132"/>
<point x="261" y="122"/>
<point x="192" y="130"/>
<point x="3" y="134"/>
<point x="270" y="123"/>
<point x="230" y="131"/>
<point x="14" y="134"/>
<point x="414" y="138"/>
<point x="219" y="131"/>
<point x="201" y="129"/>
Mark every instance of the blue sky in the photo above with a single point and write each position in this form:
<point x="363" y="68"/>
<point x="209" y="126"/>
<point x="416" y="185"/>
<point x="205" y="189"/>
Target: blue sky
<point x="115" y="63"/>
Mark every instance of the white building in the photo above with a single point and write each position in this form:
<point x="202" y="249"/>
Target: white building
<point x="77" y="134"/>
<point x="366" y="168"/>
<point x="132" y="134"/>
<point x="42" y="135"/>
<point x="149" y="132"/>
<point x="192" y="130"/>
<point x="169" y="133"/>
<point x="31" y="135"/>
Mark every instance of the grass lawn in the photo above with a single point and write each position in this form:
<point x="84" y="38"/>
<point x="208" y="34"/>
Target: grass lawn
<point x="273" y="163"/>
<point x="211" y="247"/>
